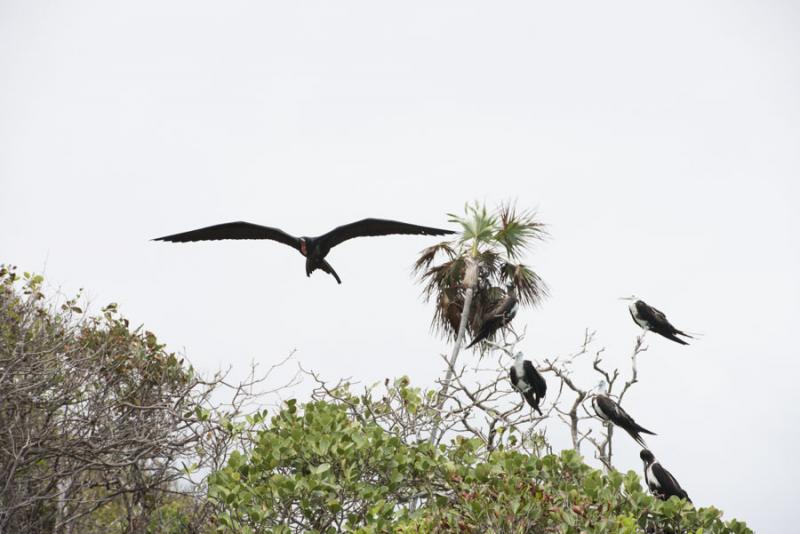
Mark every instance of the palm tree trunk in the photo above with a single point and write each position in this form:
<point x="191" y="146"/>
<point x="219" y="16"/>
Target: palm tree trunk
<point x="470" y="280"/>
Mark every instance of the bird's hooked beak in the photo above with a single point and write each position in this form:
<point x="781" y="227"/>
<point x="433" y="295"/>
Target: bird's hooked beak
<point x="632" y="297"/>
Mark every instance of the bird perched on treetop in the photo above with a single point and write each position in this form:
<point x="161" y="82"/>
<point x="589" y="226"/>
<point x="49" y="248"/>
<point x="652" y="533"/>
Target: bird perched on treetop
<point x="527" y="380"/>
<point x="313" y="248"/>
<point x="608" y="410"/>
<point x="499" y="316"/>
<point x="660" y="481"/>
<point x="651" y="319"/>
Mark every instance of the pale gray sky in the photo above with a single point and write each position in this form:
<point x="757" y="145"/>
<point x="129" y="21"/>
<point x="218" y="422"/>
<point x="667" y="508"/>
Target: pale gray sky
<point x="660" y="143"/>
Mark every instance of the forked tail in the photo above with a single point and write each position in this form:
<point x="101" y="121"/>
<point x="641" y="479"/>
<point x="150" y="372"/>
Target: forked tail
<point x="328" y="269"/>
<point x="322" y="265"/>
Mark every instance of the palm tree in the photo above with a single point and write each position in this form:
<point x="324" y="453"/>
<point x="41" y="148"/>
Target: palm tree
<point x="478" y="268"/>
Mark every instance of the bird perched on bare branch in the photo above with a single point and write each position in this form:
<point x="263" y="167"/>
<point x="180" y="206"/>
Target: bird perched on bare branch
<point x="651" y="319"/>
<point x="527" y="380"/>
<point x="608" y="410"/>
<point x="313" y="248"/>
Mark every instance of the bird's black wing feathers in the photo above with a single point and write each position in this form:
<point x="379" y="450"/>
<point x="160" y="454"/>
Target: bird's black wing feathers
<point x="234" y="230"/>
<point x="625" y="422"/>
<point x="650" y="314"/>
<point x="658" y="322"/>
<point x="606" y="406"/>
<point x="532" y="400"/>
<point x="669" y="486"/>
<point x="500" y="315"/>
<point x="656" y="318"/>
<point x="533" y="378"/>
<point x="505" y="307"/>
<point x="617" y="415"/>
<point x="376" y="227"/>
<point x="620" y="416"/>
<point x="512" y="374"/>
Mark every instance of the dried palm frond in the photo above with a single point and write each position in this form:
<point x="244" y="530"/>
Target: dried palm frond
<point x="427" y="255"/>
<point x="530" y="288"/>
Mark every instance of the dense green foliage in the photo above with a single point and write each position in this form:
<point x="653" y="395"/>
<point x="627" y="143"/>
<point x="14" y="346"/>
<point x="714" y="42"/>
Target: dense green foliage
<point x="320" y="470"/>
<point x="317" y="469"/>
<point x="102" y="427"/>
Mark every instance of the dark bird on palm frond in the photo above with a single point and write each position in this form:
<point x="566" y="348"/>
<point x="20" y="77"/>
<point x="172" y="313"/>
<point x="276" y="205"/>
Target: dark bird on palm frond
<point x="313" y="248"/>
<point x="527" y="380"/>
<point x="649" y="318"/>
<point x="498" y="317"/>
<point x="608" y="410"/>
<point x="660" y="481"/>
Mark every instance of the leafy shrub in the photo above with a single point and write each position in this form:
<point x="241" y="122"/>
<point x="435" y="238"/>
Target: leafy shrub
<point x="317" y="469"/>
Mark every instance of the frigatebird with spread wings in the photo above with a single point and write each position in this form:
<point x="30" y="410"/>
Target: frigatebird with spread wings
<point x="313" y="248"/>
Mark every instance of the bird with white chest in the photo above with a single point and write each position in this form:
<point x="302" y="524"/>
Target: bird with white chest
<point x="659" y="481"/>
<point x="650" y="319"/>
<point x="527" y="380"/>
<point x="612" y="413"/>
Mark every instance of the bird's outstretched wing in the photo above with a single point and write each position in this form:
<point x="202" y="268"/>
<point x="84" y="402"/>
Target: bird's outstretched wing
<point x="234" y="230"/>
<point x="375" y="227"/>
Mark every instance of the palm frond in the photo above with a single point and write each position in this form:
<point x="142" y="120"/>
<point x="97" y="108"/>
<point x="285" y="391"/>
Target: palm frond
<point x="530" y="288"/>
<point x="443" y="284"/>
<point x="518" y="231"/>
<point x="443" y="276"/>
<point x="426" y="256"/>
<point x="489" y="263"/>
<point x="495" y="242"/>
<point x="477" y="225"/>
<point x="447" y="314"/>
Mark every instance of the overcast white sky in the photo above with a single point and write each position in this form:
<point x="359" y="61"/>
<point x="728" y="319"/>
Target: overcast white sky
<point x="660" y="144"/>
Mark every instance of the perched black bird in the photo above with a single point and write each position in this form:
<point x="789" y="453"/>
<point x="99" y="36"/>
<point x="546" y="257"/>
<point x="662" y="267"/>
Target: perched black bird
<point x="313" y="248"/>
<point x="499" y="316"/>
<point x="651" y="319"/>
<point x="527" y="380"/>
<point x="608" y="410"/>
<point x="660" y="481"/>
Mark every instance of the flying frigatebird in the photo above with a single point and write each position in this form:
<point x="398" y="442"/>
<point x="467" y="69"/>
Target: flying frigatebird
<point x="527" y="380"/>
<point x="651" y="319"/>
<point x="313" y="248"/>
<point x="660" y="481"/>
<point x="499" y="316"/>
<point x="608" y="410"/>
